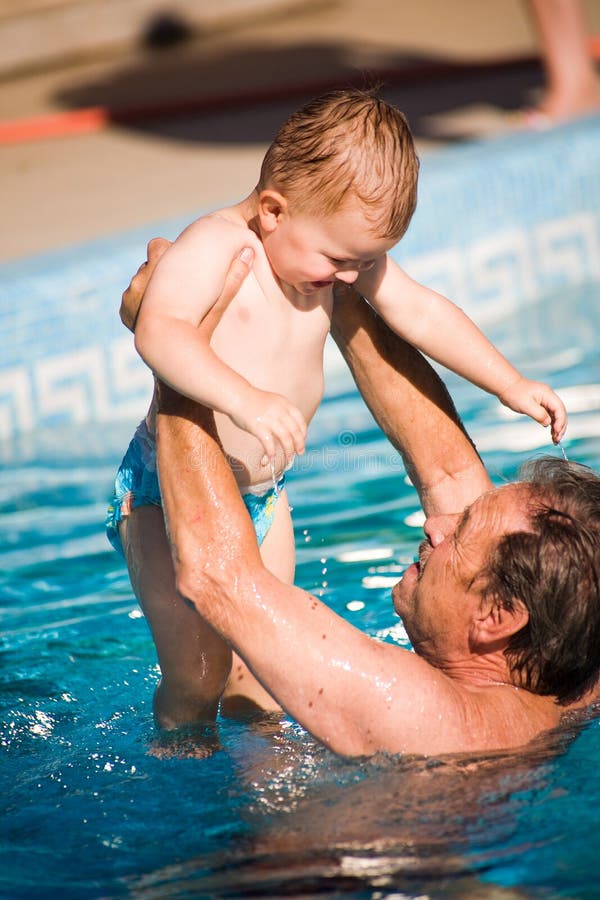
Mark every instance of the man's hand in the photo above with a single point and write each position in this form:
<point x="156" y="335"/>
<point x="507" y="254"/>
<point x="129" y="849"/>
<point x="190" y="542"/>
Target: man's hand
<point x="134" y="293"/>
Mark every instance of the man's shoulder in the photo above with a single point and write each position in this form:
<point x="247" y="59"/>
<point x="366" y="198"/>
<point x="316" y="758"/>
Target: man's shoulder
<point x="449" y="715"/>
<point x="502" y="716"/>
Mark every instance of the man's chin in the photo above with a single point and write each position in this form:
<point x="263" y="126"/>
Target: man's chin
<point x="403" y="590"/>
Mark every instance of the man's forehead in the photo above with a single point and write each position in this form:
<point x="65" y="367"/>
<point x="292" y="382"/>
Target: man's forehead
<point x="502" y="509"/>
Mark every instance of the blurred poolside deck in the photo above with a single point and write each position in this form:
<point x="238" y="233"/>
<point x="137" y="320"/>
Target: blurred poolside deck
<point x="131" y="168"/>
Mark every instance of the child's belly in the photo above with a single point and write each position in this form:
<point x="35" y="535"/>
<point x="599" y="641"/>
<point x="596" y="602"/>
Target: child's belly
<point x="245" y="452"/>
<point x="276" y="348"/>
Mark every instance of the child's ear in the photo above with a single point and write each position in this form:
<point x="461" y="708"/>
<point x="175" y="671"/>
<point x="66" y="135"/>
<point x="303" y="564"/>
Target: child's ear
<point x="272" y="206"/>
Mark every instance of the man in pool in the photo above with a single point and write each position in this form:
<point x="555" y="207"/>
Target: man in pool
<point x="502" y="609"/>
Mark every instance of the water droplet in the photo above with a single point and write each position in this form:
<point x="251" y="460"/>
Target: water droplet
<point x="273" y="479"/>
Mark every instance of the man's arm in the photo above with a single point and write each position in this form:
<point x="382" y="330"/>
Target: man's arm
<point x="353" y="693"/>
<point x="411" y="405"/>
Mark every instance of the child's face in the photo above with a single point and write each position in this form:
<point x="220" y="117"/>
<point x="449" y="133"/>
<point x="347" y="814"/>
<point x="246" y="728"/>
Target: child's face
<point x="311" y="253"/>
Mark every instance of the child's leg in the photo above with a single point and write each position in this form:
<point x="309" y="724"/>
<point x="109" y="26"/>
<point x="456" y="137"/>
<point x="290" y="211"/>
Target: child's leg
<point x="243" y="694"/>
<point x="194" y="661"/>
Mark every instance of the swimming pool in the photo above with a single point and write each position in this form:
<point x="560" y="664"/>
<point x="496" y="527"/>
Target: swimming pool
<point x="89" y="812"/>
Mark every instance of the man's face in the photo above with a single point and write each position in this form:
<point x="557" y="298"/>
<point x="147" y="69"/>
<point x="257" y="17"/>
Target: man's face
<point x="439" y="598"/>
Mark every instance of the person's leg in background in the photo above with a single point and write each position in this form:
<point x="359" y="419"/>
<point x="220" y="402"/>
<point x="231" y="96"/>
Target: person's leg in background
<point x="572" y="83"/>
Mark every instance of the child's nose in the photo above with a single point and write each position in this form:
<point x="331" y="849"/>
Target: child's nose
<point x="348" y="276"/>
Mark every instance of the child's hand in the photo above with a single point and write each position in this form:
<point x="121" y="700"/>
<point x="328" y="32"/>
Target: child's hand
<point x="270" y="418"/>
<point x="539" y="401"/>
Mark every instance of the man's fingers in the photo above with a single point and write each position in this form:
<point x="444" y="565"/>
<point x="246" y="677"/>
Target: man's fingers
<point x="238" y="271"/>
<point x="134" y="293"/>
<point x="155" y="249"/>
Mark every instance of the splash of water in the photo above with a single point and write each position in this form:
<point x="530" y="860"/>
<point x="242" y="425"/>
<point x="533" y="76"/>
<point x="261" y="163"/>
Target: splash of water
<point x="273" y="479"/>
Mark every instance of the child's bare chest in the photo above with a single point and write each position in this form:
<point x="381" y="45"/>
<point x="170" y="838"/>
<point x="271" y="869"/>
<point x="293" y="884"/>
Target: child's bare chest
<point x="272" y="341"/>
<point x="277" y="345"/>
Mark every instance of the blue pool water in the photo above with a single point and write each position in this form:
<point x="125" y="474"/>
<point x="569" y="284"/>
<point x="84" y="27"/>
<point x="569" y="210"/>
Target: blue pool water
<point x="88" y="812"/>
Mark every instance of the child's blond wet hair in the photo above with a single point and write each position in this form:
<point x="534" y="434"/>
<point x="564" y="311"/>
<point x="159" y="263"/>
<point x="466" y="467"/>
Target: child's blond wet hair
<point x="345" y="145"/>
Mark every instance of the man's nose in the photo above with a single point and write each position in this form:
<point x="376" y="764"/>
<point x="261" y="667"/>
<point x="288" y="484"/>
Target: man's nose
<point x="437" y="528"/>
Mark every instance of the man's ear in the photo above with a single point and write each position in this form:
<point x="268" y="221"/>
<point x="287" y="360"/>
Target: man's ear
<point x="272" y="206"/>
<point x="495" y="624"/>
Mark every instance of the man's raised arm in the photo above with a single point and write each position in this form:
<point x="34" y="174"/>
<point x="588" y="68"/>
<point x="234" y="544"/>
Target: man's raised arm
<point x="411" y="405"/>
<point x="353" y="693"/>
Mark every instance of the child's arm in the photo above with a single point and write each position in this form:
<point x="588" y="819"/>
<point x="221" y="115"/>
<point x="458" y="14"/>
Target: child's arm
<point x="411" y="404"/>
<point x="182" y="290"/>
<point x="441" y="330"/>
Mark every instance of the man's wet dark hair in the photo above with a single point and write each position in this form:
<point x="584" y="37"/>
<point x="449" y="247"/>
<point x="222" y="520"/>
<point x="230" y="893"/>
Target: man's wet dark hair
<point x="554" y="570"/>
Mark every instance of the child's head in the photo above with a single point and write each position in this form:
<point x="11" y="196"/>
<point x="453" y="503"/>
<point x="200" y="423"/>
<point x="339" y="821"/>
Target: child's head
<point x="345" y="146"/>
